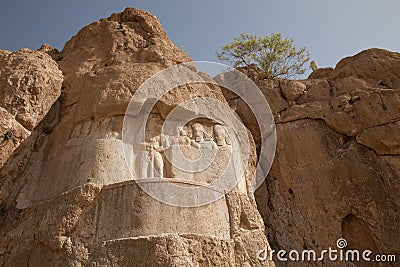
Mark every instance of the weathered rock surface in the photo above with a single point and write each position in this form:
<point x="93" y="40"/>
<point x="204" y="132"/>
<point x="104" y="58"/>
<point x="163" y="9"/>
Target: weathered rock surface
<point x="320" y="73"/>
<point x="68" y="198"/>
<point x="337" y="165"/>
<point x="51" y="51"/>
<point x="30" y="82"/>
<point x="12" y="135"/>
<point x="376" y="66"/>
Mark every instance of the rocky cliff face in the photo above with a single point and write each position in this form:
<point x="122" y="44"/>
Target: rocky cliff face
<point x="337" y="166"/>
<point x="30" y="82"/>
<point x="68" y="197"/>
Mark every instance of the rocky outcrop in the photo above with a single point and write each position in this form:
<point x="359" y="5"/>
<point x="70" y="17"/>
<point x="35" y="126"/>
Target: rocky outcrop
<point x="337" y="164"/>
<point x="51" y="51"/>
<point x="68" y="198"/>
<point x="71" y="199"/>
<point x="30" y="82"/>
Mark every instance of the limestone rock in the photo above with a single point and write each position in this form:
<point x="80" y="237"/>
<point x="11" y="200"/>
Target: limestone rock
<point x="51" y="51"/>
<point x="12" y="135"/>
<point x="30" y="82"/>
<point x="379" y="67"/>
<point x="318" y="179"/>
<point x="69" y="198"/>
<point x="321" y="73"/>
<point x="104" y="65"/>
<point x="383" y="139"/>
<point x="250" y="71"/>
<point x="335" y="173"/>
<point x="292" y="90"/>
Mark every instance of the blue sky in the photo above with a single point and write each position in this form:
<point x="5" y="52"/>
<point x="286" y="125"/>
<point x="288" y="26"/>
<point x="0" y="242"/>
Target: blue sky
<point x="331" y="30"/>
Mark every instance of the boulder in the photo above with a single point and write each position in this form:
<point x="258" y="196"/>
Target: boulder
<point x="30" y="83"/>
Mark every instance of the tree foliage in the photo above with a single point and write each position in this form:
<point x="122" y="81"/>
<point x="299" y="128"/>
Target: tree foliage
<point x="276" y="57"/>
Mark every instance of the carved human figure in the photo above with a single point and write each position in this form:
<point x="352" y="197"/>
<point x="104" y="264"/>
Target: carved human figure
<point x="183" y="139"/>
<point x="220" y="135"/>
<point x="144" y="159"/>
<point x="199" y="142"/>
<point x="156" y="157"/>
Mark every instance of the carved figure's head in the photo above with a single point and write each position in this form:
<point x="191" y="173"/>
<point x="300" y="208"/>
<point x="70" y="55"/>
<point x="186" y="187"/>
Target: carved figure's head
<point x="198" y="132"/>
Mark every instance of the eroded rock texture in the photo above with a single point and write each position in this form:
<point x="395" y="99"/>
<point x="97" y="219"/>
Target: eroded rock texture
<point x="337" y="166"/>
<point x="30" y="82"/>
<point x="67" y="197"/>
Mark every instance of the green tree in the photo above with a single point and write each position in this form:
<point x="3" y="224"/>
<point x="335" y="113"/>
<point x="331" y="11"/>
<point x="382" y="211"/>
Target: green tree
<point x="276" y="57"/>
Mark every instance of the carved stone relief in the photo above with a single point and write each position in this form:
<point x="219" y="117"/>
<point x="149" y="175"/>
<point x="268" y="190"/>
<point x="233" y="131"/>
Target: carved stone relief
<point x="155" y="158"/>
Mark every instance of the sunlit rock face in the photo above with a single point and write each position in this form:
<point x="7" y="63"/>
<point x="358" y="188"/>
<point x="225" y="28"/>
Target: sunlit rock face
<point x="73" y="198"/>
<point x="337" y="166"/>
<point x="30" y="82"/>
